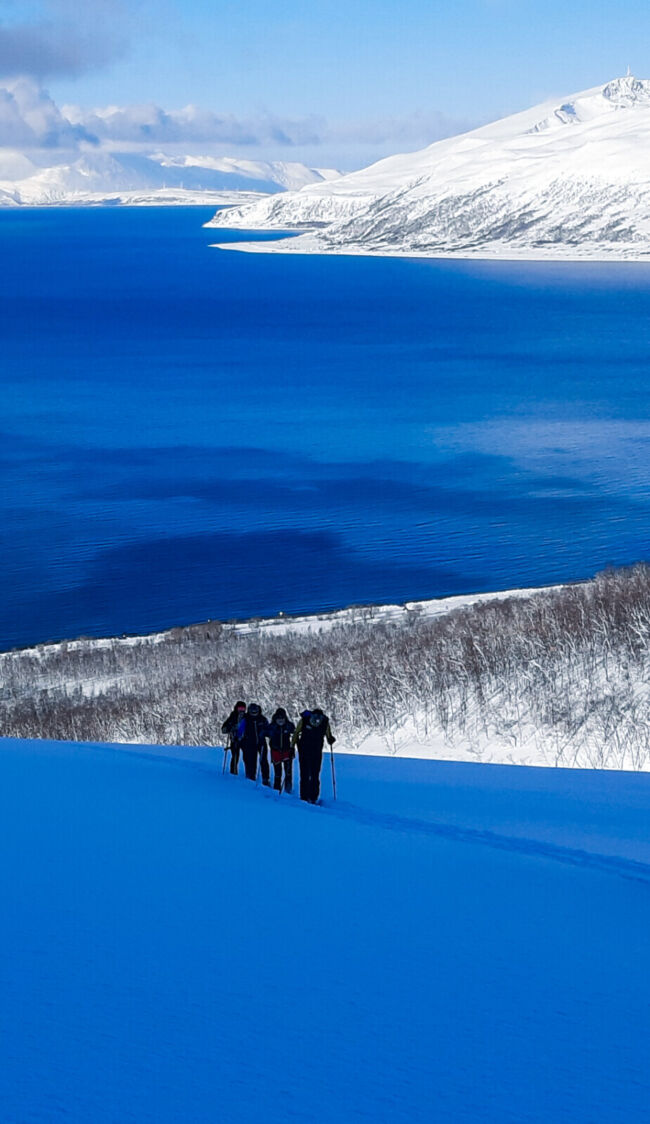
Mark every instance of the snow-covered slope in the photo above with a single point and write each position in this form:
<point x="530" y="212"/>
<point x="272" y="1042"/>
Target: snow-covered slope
<point x="446" y="942"/>
<point x="129" y="177"/>
<point x="277" y="175"/>
<point x="567" y="178"/>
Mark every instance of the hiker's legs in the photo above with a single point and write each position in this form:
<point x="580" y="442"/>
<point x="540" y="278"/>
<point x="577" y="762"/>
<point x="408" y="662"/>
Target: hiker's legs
<point x="250" y="762"/>
<point x="316" y="757"/>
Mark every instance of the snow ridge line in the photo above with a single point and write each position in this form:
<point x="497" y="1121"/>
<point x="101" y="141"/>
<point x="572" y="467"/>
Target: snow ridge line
<point x="630" y="869"/>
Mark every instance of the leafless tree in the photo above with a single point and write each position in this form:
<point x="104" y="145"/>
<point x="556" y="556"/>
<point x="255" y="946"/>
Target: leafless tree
<point x="564" y="671"/>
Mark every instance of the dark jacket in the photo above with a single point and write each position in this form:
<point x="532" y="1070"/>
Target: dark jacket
<point x="230" y="725"/>
<point x="308" y="737"/>
<point x="280" y="740"/>
<point x="252" y="731"/>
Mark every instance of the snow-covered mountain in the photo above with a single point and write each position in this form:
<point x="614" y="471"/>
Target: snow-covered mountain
<point x="567" y="178"/>
<point x="100" y="176"/>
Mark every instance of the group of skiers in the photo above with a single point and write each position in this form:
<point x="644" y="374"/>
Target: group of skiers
<point x="249" y="732"/>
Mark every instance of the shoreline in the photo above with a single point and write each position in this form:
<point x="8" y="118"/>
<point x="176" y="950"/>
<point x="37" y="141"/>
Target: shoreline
<point x="283" y="623"/>
<point x="552" y="675"/>
<point x="283" y="245"/>
<point x="121" y="200"/>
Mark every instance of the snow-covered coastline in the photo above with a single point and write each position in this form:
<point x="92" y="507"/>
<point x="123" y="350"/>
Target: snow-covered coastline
<point x="553" y="676"/>
<point x="283" y="624"/>
<point x="154" y="179"/>
<point x="309" y="244"/>
<point x="566" y="180"/>
<point x="165" y="197"/>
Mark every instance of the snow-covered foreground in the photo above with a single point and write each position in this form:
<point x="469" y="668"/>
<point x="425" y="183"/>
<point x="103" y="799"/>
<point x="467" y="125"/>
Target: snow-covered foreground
<point x="446" y="942"/>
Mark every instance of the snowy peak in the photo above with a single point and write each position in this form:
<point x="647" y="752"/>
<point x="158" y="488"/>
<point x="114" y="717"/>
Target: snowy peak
<point x="568" y="178"/>
<point x="628" y="91"/>
<point x="622" y="93"/>
<point x="277" y="175"/>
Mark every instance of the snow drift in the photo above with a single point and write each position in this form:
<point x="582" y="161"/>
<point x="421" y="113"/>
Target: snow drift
<point x="567" y="178"/>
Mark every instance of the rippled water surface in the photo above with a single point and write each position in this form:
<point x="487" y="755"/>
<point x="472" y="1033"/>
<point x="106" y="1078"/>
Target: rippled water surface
<point x="191" y="433"/>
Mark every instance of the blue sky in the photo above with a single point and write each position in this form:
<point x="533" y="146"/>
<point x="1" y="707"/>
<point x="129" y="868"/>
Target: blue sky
<point x="381" y="75"/>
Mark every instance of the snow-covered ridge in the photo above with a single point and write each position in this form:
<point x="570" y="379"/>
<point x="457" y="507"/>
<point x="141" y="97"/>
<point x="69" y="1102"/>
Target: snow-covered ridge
<point x="98" y="177"/>
<point x="568" y="178"/>
<point x="622" y="93"/>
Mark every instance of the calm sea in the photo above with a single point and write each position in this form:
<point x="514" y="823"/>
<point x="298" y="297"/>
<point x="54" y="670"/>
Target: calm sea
<point x="191" y="433"/>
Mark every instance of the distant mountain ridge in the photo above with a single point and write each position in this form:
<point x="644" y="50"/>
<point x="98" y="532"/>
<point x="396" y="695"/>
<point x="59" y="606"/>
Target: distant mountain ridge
<point x="95" y="177"/>
<point x="568" y="178"/>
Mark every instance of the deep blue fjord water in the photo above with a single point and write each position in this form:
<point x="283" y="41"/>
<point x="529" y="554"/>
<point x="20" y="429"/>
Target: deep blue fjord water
<point x="191" y="433"/>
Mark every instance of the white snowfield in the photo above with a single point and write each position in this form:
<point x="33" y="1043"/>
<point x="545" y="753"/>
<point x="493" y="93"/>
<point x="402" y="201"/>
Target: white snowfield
<point x="132" y="179"/>
<point x="446" y="942"/>
<point x="567" y="179"/>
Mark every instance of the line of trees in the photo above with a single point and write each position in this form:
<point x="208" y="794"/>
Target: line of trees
<point x="563" y="673"/>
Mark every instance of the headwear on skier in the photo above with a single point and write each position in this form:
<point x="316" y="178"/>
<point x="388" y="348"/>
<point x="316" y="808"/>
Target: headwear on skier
<point x="316" y="717"/>
<point x="241" y="705"/>
<point x="280" y="716"/>
<point x="254" y="710"/>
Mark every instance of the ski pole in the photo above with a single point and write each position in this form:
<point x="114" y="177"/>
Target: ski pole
<point x="225" y="757"/>
<point x="333" y="770"/>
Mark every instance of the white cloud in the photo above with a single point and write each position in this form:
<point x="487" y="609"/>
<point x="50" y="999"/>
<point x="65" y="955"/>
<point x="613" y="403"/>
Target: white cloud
<point x="144" y="125"/>
<point x="31" y="121"/>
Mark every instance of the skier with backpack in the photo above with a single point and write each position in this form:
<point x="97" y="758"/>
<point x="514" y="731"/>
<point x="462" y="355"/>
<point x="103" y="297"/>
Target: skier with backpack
<point x="280" y="731"/>
<point x="230" y="728"/>
<point x="311" y="731"/>
<point x="251" y="733"/>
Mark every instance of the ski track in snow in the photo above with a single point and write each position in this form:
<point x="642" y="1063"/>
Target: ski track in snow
<point x="179" y="946"/>
<point x="630" y="869"/>
<point x="624" y="868"/>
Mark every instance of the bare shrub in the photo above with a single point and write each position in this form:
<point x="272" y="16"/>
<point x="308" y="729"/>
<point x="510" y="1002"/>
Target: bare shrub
<point x="564" y="670"/>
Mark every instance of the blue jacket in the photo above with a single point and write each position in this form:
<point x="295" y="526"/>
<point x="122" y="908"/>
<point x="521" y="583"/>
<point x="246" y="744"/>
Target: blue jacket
<point x="252" y="731"/>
